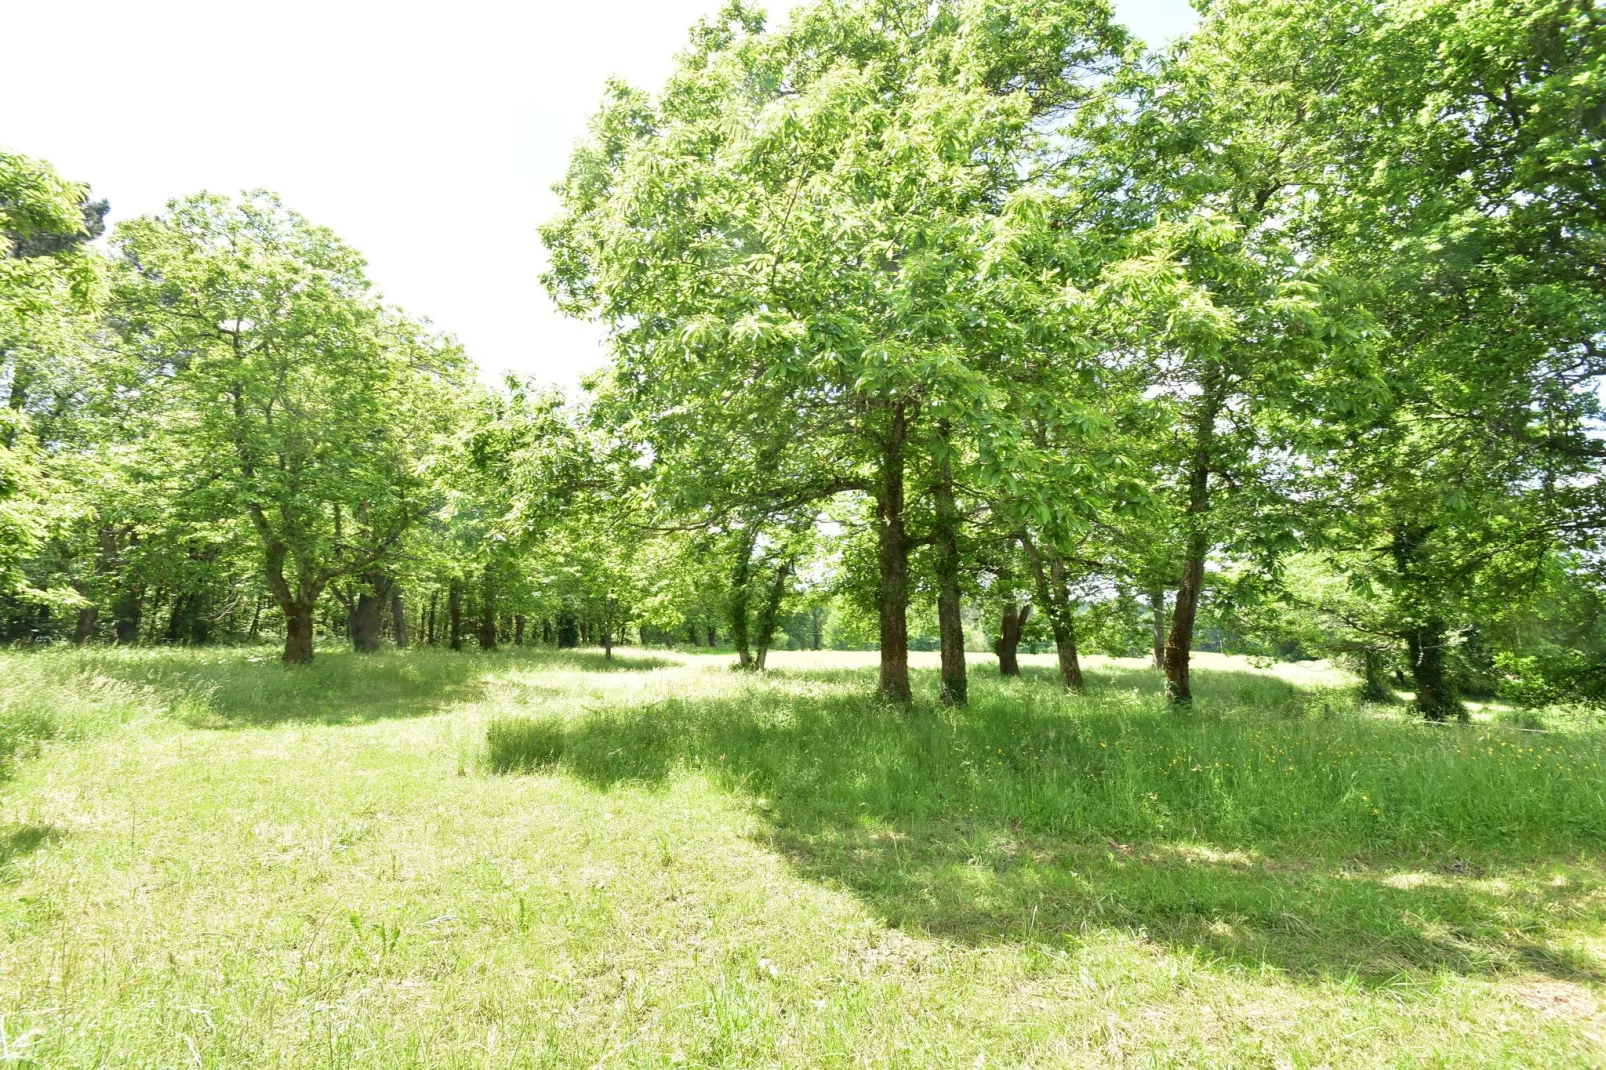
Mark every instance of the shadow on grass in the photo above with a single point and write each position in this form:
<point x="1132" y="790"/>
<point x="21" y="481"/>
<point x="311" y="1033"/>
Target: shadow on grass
<point x="244" y="688"/>
<point x="1338" y="846"/>
<point x="23" y="840"/>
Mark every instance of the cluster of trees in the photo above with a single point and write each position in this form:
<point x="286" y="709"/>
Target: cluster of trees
<point x="1306" y="311"/>
<point x="923" y="314"/>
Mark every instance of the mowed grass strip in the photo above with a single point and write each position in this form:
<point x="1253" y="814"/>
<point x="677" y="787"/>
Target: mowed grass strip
<point x="534" y="859"/>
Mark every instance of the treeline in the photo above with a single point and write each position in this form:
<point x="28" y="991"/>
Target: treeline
<point x="976" y="322"/>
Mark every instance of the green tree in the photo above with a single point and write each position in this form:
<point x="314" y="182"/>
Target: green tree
<point x="288" y="395"/>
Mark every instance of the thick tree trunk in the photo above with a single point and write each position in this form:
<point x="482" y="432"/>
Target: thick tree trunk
<point x="713" y="636"/>
<point x="1157" y="613"/>
<point x="175" y="620"/>
<point x="770" y="613"/>
<point x="84" y="628"/>
<point x="126" y="618"/>
<point x="893" y="555"/>
<point x="1009" y="634"/>
<point x="454" y="614"/>
<point x="1065" y="647"/>
<point x="298" y="634"/>
<point x="1374" y="677"/>
<point x="568" y="631"/>
<point x="950" y="624"/>
<point x="518" y="629"/>
<point x="368" y="613"/>
<point x="1436" y="699"/>
<point x="398" y="620"/>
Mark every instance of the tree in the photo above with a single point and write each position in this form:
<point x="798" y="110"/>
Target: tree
<point x="49" y="284"/>
<point x="781" y="235"/>
<point x="289" y="396"/>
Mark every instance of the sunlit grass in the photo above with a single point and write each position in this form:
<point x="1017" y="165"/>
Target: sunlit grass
<point x="533" y="859"/>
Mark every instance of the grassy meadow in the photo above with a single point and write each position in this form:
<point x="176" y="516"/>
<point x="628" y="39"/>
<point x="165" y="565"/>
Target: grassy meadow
<point x="533" y="859"/>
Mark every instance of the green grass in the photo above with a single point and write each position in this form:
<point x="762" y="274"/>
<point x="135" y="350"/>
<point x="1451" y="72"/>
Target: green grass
<point x="533" y="859"/>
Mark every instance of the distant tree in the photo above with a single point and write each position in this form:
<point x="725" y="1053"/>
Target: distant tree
<point x="289" y="396"/>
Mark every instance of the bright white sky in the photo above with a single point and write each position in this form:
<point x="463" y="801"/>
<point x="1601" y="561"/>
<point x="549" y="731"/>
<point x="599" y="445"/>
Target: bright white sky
<point x="427" y="135"/>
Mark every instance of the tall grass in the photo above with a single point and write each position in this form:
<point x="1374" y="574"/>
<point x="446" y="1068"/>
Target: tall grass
<point x="1255" y="764"/>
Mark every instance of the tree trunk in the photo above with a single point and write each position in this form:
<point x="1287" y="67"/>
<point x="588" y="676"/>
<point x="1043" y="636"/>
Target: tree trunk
<point x="1054" y="595"/>
<point x="487" y="628"/>
<point x="1436" y="699"/>
<point x="1178" y="687"/>
<point x="893" y="559"/>
<point x="175" y="620"/>
<point x="695" y="639"/>
<point x="1009" y="637"/>
<point x="298" y="634"/>
<point x="741" y="576"/>
<point x="713" y="636"/>
<point x="767" y="616"/>
<point x="1065" y="647"/>
<point x="126" y="614"/>
<point x="398" y="619"/>
<point x="546" y="630"/>
<point x="368" y="613"/>
<point x="84" y="628"/>
<point x="518" y="629"/>
<point x="607" y="630"/>
<point x="1374" y="676"/>
<point x="1157" y="610"/>
<point x="256" y="621"/>
<point x="817" y="620"/>
<point x="454" y="614"/>
<point x="568" y="631"/>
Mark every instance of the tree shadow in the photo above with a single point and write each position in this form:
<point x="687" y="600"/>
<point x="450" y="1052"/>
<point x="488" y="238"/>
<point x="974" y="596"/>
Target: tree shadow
<point x="1029" y="817"/>
<point x="20" y="841"/>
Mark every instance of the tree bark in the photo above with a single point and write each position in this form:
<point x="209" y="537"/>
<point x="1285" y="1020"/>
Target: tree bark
<point x="1178" y="687"/>
<point x="297" y="634"/>
<point x="126" y="618"/>
<point x="950" y="623"/>
<point x="713" y="636"/>
<point x="768" y="615"/>
<point x="454" y="614"/>
<point x="817" y="620"/>
<point x="487" y="628"/>
<point x="1009" y="637"/>
<point x="1436" y="699"/>
<point x="398" y="619"/>
<point x="1053" y="594"/>
<point x="1157" y="609"/>
<point x="84" y="627"/>
<point x="518" y="629"/>
<point x="741" y="577"/>
<point x="568" y="631"/>
<point x="368" y="613"/>
<point x="893" y="559"/>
